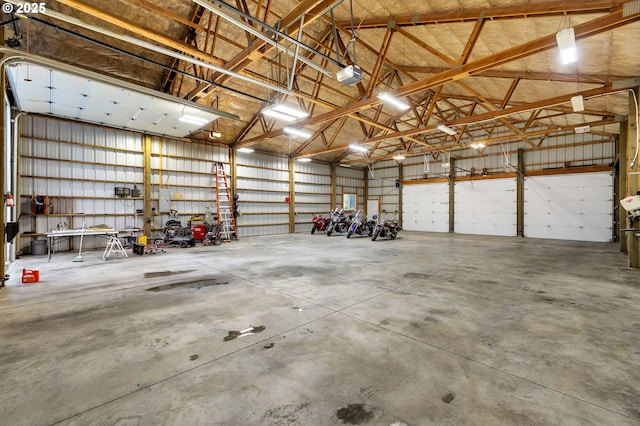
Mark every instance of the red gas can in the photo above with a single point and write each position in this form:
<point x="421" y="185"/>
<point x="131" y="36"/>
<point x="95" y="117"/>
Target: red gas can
<point x="30" y="276"/>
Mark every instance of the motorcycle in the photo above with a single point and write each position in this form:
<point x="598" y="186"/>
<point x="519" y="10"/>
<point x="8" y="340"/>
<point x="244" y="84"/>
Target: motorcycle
<point x="337" y="222"/>
<point x="320" y="223"/>
<point x="359" y="225"/>
<point x="385" y="228"/>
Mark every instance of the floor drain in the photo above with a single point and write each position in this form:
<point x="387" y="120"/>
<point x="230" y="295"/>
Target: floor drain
<point x="188" y="284"/>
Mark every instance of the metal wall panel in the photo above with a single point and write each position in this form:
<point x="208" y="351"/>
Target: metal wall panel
<point x="312" y="182"/>
<point x="486" y="207"/>
<point x="425" y="207"/>
<point x="77" y="166"/>
<point x="569" y="207"/>
<point x="382" y="186"/>
<point x="262" y="186"/>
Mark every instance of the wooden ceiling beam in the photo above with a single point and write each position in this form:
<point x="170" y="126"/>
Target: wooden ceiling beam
<point x="526" y="75"/>
<point x="382" y="54"/>
<point x="596" y="26"/>
<point x="549" y="8"/>
<point x="473" y="39"/>
<point x="130" y="26"/>
<point x="503" y="113"/>
<point x="427" y="47"/>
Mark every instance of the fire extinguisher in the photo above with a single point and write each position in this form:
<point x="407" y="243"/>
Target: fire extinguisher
<point x="8" y="199"/>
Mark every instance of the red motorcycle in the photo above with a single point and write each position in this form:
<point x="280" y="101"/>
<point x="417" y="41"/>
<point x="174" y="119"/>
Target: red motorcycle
<point x="319" y="223"/>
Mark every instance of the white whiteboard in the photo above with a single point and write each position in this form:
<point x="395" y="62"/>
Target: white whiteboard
<point x="486" y="207"/>
<point x="425" y="207"/>
<point x="569" y="207"/>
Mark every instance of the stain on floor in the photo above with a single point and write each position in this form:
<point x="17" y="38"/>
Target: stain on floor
<point x="198" y="284"/>
<point x="354" y="414"/>
<point x="166" y="273"/>
<point x="448" y="397"/>
<point x="233" y="334"/>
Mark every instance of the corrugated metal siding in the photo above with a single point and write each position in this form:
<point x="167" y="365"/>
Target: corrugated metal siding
<point x="262" y="187"/>
<point x="382" y="186"/>
<point x="187" y="171"/>
<point x="312" y="183"/>
<point x="78" y="166"/>
<point x="350" y="181"/>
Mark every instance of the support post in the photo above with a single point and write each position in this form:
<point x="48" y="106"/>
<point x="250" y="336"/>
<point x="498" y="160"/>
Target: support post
<point x="365" y="179"/>
<point x="621" y="145"/>
<point x="400" y="177"/>
<point x="520" y="195"/>
<point x="332" y="185"/>
<point x="3" y="144"/>
<point x="292" y="196"/>
<point x="146" y="184"/>
<point x="452" y="193"/>
<point x="633" y="176"/>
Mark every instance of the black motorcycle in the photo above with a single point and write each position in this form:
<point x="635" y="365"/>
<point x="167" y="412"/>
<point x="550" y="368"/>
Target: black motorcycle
<point x="385" y="228"/>
<point x="359" y="225"/>
<point x="337" y="222"/>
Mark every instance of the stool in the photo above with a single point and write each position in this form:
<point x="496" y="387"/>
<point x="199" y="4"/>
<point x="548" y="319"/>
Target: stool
<point x="113" y="245"/>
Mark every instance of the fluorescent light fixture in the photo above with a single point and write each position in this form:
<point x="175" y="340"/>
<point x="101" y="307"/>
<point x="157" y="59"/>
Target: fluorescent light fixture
<point x="448" y="130"/>
<point x="292" y="131"/>
<point x="477" y="145"/>
<point x="215" y="135"/>
<point x="446" y="165"/>
<point x="304" y="159"/>
<point x="247" y="150"/>
<point x="357" y="147"/>
<point x="577" y="102"/>
<point x="567" y="45"/>
<point x="582" y="129"/>
<point x="192" y="119"/>
<point x="348" y="166"/>
<point x="393" y="101"/>
<point x="398" y="157"/>
<point x="284" y="112"/>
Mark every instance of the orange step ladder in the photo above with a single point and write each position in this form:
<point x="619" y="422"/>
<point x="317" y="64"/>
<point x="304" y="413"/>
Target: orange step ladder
<point x="223" y="204"/>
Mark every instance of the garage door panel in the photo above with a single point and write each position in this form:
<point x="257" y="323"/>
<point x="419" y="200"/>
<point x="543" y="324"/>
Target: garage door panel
<point x="486" y="207"/>
<point x="569" y="207"/>
<point x="426" y="207"/>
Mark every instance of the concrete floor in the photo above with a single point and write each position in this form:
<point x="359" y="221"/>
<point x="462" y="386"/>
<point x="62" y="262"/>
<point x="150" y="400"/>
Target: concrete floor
<point x="428" y="329"/>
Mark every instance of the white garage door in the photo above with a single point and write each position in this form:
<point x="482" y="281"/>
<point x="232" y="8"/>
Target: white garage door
<point x="569" y="207"/>
<point x="425" y="207"/>
<point x="486" y="207"/>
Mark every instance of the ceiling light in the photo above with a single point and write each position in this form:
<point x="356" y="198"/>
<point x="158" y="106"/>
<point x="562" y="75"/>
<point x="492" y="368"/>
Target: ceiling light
<point x="448" y="130"/>
<point x="577" y="102"/>
<point x="304" y="159"/>
<point x="192" y="119"/>
<point x="284" y="112"/>
<point x="357" y="147"/>
<point x="567" y="45"/>
<point x="348" y="166"/>
<point x="247" y="150"/>
<point x="292" y="131"/>
<point x="477" y="145"/>
<point x="582" y="129"/>
<point x="215" y="135"/>
<point x="393" y="101"/>
<point x="399" y="157"/>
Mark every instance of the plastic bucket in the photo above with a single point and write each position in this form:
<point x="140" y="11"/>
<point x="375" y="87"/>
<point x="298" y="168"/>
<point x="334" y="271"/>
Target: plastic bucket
<point x="39" y="247"/>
